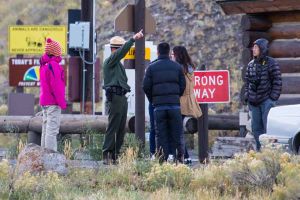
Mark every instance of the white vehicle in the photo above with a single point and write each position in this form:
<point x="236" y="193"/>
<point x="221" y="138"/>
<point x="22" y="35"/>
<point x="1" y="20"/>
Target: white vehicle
<point x="283" y="127"/>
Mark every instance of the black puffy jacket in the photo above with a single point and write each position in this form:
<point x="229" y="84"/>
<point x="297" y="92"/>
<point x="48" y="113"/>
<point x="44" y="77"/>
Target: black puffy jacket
<point x="164" y="82"/>
<point x="263" y="77"/>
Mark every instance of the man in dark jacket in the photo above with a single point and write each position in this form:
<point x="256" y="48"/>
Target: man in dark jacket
<point x="262" y="87"/>
<point x="115" y="85"/>
<point x="163" y="84"/>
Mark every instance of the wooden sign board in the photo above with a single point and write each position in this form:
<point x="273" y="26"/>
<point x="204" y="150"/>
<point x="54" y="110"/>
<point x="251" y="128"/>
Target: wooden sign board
<point x="24" y="39"/>
<point x="125" y="20"/>
<point x="25" y="72"/>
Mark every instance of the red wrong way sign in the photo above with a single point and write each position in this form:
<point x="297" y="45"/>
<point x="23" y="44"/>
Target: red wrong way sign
<point x="212" y="86"/>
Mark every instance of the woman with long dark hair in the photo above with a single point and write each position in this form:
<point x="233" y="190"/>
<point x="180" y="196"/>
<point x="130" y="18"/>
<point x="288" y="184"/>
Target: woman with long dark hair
<point x="188" y="104"/>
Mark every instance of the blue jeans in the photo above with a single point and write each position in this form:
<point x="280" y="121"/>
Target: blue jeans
<point x="152" y="130"/>
<point x="259" y="119"/>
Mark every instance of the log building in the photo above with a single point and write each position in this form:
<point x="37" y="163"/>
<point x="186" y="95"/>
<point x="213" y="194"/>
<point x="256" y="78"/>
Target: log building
<point x="279" y="22"/>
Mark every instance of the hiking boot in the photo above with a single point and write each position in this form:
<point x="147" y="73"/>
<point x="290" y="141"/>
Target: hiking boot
<point x="107" y="161"/>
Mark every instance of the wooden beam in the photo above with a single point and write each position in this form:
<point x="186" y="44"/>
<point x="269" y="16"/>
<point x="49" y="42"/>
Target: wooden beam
<point x="231" y="7"/>
<point x="282" y="17"/>
<point x="255" y="23"/>
<point x="250" y="36"/>
<point x="70" y="124"/>
<point x="285" y="48"/>
<point x="290" y="84"/>
<point x="284" y="99"/>
<point x="285" y="31"/>
<point x="215" y="122"/>
<point x="289" y="99"/>
<point x="289" y="65"/>
<point x="290" y="87"/>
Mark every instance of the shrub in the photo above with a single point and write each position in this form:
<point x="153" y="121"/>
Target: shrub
<point x="3" y="109"/>
<point x="43" y="186"/>
<point x="288" y="186"/>
<point x="168" y="175"/>
<point x="212" y="177"/>
<point x="254" y="171"/>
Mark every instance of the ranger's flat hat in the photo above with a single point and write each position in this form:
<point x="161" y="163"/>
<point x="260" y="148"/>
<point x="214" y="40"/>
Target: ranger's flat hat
<point x="116" y="41"/>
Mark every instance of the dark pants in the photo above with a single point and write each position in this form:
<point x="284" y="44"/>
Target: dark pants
<point x="152" y="130"/>
<point x="115" y="132"/>
<point x="169" y="128"/>
<point x="259" y="119"/>
<point x="152" y="138"/>
<point x="186" y="153"/>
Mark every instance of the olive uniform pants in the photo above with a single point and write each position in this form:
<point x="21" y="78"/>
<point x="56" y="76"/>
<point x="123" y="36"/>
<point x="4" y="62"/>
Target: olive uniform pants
<point x="115" y="132"/>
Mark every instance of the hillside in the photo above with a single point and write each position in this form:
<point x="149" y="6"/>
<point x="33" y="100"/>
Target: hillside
<point x="211" y="37"/>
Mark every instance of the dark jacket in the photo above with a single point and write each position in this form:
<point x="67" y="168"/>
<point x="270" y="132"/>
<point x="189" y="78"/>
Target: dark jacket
<point x="113" y="70"/>
<point x="164" y="82"/>
<point x="263" y="77"/>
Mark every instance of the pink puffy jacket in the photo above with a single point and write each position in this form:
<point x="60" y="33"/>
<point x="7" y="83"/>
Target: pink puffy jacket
<point x="52" y="80"/>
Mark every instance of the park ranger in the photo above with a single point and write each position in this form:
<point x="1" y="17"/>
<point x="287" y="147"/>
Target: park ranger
<point x="115" y="86"/>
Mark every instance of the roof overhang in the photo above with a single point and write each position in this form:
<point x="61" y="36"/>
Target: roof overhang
<point x="231" y="7"/>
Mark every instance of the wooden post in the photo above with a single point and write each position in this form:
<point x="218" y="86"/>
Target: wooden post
<point x="139" y="23"/>
<point x="203" y="132"/>
<point x="19" y="89"/>
<point x="87" y="15"/>
<point x="34" y="137"/>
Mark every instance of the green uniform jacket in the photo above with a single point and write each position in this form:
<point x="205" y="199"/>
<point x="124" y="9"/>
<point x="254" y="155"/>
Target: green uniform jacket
<point x="113" y="70"/>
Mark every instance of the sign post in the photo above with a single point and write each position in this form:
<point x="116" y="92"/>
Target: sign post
<point x="134" y="18"/>
<point x="139" y="71"/>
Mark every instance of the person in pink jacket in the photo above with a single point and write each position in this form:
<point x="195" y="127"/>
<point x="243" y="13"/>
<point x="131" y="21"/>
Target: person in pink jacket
<point x="52" y="93"/>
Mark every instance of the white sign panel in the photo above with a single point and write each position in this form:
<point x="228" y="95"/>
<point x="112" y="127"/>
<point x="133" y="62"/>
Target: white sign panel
<point x="131" y="81"/>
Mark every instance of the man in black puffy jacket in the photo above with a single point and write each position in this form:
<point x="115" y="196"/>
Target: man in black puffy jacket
<point x="262" y="87"/>
<point x="163" y="84"/>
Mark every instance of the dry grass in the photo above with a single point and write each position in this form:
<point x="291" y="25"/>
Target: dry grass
<point x="276" y="176"/>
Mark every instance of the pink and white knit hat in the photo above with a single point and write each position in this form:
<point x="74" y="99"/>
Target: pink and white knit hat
<point x="52" y="47"/>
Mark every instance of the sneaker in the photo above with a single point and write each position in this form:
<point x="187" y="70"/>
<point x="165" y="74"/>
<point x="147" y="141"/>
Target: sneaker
<point x="152" y="157"/>
<point x="188" y="161"/>
<point x="170" y="158"/>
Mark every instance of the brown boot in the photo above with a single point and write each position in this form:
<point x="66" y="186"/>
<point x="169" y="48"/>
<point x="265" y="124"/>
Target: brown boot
<point x="107" y="158"/>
